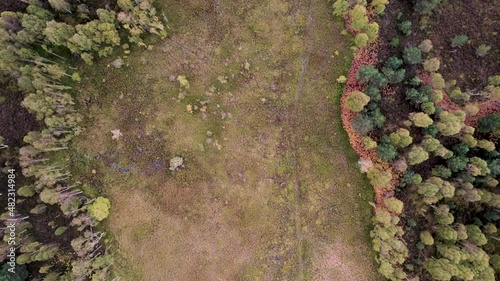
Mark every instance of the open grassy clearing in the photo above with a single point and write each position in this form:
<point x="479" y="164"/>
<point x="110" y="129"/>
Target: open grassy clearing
<point x="270" y="190"/>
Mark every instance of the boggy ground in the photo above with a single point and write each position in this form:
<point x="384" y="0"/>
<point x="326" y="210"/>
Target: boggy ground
<point x="270" y="189"/>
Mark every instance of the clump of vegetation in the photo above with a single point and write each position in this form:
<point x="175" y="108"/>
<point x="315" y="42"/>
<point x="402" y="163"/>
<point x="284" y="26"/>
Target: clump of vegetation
<point x="458" y="41"/>
<point x="356" y="101"/>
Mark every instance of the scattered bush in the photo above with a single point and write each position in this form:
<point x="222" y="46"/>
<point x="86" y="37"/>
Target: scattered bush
<point x="458" y="41"/>
<point x="412" y="55"/>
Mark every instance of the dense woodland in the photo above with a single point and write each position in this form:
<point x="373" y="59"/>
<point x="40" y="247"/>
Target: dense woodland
<point x="42" y="45"/>
<point x="428" y="141"/>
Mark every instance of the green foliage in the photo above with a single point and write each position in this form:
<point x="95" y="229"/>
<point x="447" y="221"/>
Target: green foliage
<point x="482" y="50"/>
<point x="379" y="5"/>
<point x="394" y="76"/>
<point x="475" y="235"/>
<point x="459" y="97"/>
<point x="421" y="119"/>
<point x="441" y="269"/>
<point x="416" y="96"/>
<point x="478" y="167"/>
<point x="377" y="118"/>
<point x="339" y="7"/>
<point x="434" y="189"/>
<point x="451" y="122"/>
<point x="428" y="107"/>
<point x="432" y="64"/>
<point x="469" y="140"/>
<point x="425" y="7"/>
<point x="457" y="163"/>
<point x="458" y="41"/>
<point x="441" y="171"/>
<point x="393" y="63"/>
<point x="358" y="17"/>
<point x="385" y="151"/>
<point x="60" y="230"/>
<point x="426" y="238"/>
<point x="140" y="18"/>
<point x="99" y="209"/>
<point x="417" y="155"/>
<point x="356" y="101"/>
<point x="362" y="124"/>
<point x="21" y="273"/>
<point x="361" y="40"/>
<point x="26" y="191"/>
<point x="58" y="33"/>
<point x="369" y="143"/>
<point x="60" y="5"/>
<point x="412" y="55"/>
<point x="366" y="73"/>
<point x="394" y="42"/>
<point x="379" y="177"/>
<point x="495" y="262"/>
<point x="394" y="205"/>
<point x="371" y="30"/>
<point x="373" y="93"/>
<point x="442" y="215"/>
<point x="437" y="81"/>
<point x="489" y="124"/>
<point x="486" y="145"/>
<point x="401" y="138"/>
<point x="369" y="73"/>
<point x="494" y="80"/>
<point x="405" y="27"/>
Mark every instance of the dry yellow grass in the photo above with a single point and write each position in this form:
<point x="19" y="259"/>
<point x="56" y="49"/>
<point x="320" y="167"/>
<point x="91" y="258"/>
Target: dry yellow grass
<point x="270" y="190"/>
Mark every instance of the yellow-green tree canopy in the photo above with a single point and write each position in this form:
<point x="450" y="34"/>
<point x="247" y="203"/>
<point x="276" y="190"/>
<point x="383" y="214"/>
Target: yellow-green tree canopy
<point x="356" y="101"/>
<point x="99" y="209"/>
